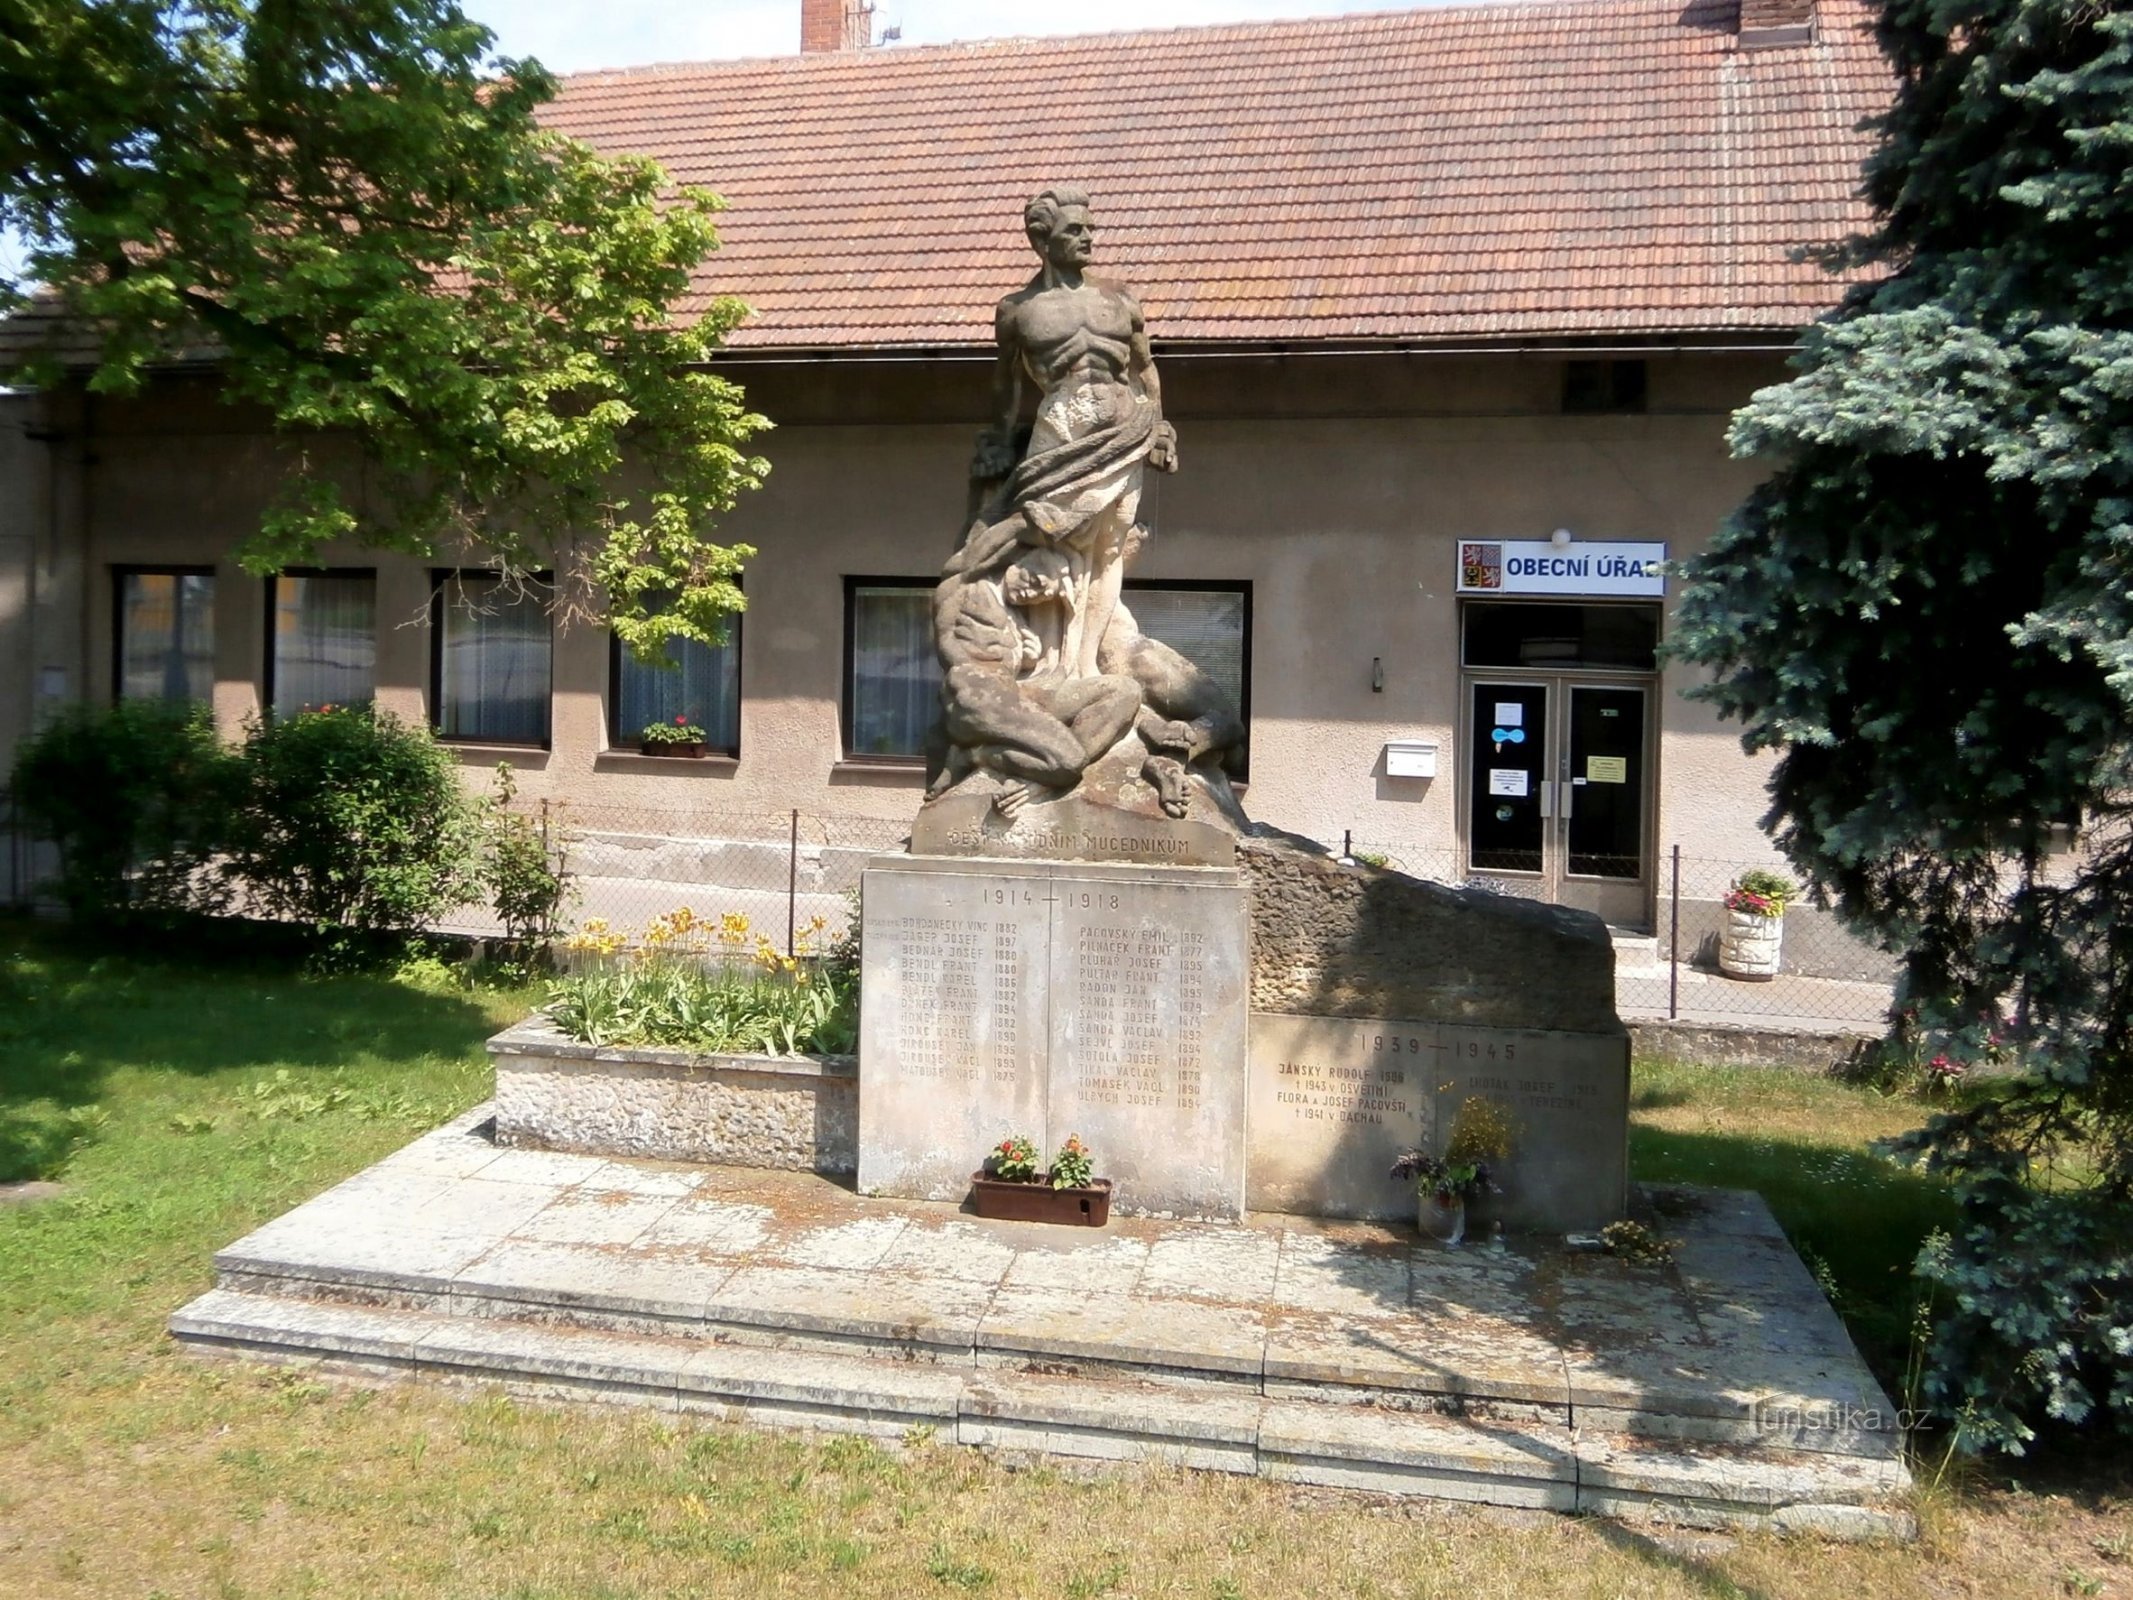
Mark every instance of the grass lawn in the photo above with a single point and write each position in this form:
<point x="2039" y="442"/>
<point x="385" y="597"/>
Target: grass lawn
<point x="181" y="1107"/>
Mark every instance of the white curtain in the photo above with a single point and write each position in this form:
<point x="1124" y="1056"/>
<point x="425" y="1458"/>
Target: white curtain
<point x="703" y="685"/>
<point x="494" y="682"/>
<point x="896" y="677"/>
<point x="325" y="641"/>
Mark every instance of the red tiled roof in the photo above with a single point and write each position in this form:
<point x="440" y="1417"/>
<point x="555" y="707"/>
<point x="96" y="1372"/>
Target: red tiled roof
<point x="1554" y="168"/>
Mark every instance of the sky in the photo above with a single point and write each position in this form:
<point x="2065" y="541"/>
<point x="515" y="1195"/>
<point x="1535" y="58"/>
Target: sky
<point x="576" y="35"/>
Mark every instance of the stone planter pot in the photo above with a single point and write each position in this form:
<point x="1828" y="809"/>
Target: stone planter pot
<point x="695" y="750"/>
<point x="1040" y="1202"/>
<point x="1440" y="1219"/>
<point x="1750" y="946"/>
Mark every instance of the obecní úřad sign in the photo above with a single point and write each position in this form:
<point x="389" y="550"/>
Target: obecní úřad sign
<point x="1615" y="568"/>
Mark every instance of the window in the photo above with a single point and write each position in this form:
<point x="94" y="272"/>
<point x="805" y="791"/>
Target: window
<point x="1593" y="387"/>
<point x="703" y="684"/>
<point x="1613" y="638"/>
<point x="489" y="657"/>
<point x="893" y="676"/>
<point x="1210" y="625"/>
<point x="322" y="640"/>
<point x="892" y="684"/>
<point x="163" y="633"/>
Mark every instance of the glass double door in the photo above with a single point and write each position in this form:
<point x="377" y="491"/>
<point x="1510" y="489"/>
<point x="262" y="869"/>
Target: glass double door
<point x="1558" y="791"/>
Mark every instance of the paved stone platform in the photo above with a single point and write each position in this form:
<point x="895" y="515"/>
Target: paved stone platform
<point x="1720" y="1389"/>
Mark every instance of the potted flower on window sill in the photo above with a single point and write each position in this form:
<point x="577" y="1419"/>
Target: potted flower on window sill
<point x="681" y="737"/>
<point x="1751" y="945"/>
<point x="1010" y="1187"/>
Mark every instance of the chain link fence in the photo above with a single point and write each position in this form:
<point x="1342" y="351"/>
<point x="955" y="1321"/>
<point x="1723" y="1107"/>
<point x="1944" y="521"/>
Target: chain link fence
<point x="793" y="874"/>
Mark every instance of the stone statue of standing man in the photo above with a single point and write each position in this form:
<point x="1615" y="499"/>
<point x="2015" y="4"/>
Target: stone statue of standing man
<point x="1049" y="686"/>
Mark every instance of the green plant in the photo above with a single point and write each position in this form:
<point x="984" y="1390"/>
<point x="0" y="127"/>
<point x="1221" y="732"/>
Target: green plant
<point x="525" y="865"/>
<point x="1073" y="1167"/>
<point x="137" y="797"/>
<point x="1763" y="892"/>
<point x="2033" y="1290"/>
<point x="1013" y="1159"/>
<point x="687" y="986"/>
<point x="1481" y="1135"/>
<point x="1441" y="1179"/>
<point x="353" y="821"/>
<point x="680" y="731"/>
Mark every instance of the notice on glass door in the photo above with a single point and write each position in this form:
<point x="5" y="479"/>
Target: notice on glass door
<point x="1508" y="781"/>
<point x="1607" y="769"/>
<point x="1510" y="714"/>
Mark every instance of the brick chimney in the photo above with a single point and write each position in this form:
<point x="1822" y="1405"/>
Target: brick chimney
<point x="1765" y="24"/>
<point x="835" y="25"/>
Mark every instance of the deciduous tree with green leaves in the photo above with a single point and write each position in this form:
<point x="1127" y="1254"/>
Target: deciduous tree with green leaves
<point x="1928" y="612"/>
<point x="353" y="205"/>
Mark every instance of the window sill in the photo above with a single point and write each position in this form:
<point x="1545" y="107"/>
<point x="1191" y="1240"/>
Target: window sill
<point x="488" y="753"/>
<point x="723" y="766"/>
<point x="878" y="769"/>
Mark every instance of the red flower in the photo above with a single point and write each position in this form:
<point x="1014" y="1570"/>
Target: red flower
<point x="681" y="722"/>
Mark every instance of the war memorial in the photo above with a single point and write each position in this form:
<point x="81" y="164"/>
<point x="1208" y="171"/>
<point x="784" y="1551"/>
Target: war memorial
<point x="1086" y="937"/>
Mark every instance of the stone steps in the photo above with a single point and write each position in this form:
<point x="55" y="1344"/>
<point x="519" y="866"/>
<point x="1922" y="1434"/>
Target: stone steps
<point x="1352" y="1365"/>
<point x="1021" y="1403"/>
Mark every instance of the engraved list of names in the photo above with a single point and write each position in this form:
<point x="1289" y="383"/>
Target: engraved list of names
<point x="1148" y="1035"/>
<point x="1012" y="997"/>
<point x="952" y="1027"/>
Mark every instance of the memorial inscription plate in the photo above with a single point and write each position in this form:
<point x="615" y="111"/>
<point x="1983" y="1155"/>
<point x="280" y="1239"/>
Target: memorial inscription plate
<point x="1334" y="1101"/>
<point x="1148" y="1031"/>
<point x="954" y="995"/>
<point x="1048" y="999"/>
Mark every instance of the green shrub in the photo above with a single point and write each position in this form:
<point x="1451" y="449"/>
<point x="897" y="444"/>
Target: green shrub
<point x="525" y="865"/>
<point x="137" y="797"/>
<point x="2034" y="1314"/>
<point x="353" y="821"/>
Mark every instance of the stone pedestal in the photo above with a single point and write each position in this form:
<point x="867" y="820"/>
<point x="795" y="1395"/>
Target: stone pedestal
<point x="1336" y="1100"/>
<point x="1016" y="996"/>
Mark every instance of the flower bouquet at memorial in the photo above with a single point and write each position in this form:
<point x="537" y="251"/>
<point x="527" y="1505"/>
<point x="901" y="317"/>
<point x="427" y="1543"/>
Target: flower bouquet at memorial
<point x="1445" y="1184"/>
<point x="1012" y="1188"/>
<point x="676" y="737"/>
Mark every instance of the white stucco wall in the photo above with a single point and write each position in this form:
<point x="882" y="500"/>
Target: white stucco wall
<point x="1338" y="490"/>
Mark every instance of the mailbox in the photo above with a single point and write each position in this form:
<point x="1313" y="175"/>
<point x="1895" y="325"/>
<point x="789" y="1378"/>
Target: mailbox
<point x="1410" y="758"/>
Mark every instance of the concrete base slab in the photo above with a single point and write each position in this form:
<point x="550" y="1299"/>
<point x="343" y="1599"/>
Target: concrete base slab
<point x="1718" y="1391"/>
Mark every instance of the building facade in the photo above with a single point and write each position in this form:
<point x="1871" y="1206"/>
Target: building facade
<point x="1451" y="308"/>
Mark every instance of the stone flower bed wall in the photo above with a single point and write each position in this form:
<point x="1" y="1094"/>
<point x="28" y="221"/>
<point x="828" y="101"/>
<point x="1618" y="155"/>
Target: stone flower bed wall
<point x="792" y="1112"/>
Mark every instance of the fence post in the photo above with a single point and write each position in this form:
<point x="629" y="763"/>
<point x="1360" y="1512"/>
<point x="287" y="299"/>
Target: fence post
<point x="792" y="886"/>
<point x="1673" y="945"/>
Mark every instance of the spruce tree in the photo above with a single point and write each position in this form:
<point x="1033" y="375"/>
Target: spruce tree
<point x="1928" y="612"/>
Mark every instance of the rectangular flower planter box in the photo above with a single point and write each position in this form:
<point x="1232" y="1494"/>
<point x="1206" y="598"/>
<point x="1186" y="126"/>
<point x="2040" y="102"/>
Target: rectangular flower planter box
<point x="1040" y="1202"/>
<point x="696" y="750"/>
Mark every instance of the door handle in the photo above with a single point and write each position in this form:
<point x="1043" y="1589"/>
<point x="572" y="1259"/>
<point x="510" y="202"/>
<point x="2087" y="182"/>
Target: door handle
<point x="1547" y="798"/>
<point x="1569" y="798"/>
